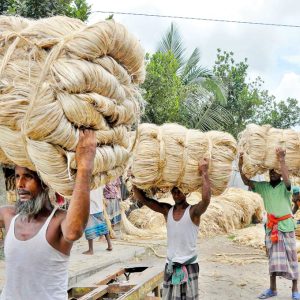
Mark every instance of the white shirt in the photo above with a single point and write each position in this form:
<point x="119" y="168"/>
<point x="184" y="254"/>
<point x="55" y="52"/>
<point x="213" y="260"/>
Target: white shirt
<point x="96" y="204"/>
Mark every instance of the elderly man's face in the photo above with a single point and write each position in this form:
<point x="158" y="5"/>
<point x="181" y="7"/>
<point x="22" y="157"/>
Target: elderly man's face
<point x="27" y="183"/>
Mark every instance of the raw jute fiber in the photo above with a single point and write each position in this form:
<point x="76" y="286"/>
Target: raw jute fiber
<point x="168" y="155"/>
<point x="234" y="209"/>
<point x="259" y="145"/>
<point x="58" y="75"/>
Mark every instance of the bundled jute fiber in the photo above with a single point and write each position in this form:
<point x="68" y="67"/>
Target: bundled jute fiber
<point x="234" y="209"/>
<point x="168" y="155"/>
<point x="259" y="145"/>
<point x="253" y="236"/>
<point x="131" y="231"/>
<point x="58" y="75"/>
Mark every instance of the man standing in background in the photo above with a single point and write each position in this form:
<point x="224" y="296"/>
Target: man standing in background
<point x="96" y="226"/>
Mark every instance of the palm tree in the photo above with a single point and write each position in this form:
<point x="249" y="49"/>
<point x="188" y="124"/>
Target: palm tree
<point x="202" y="108"/>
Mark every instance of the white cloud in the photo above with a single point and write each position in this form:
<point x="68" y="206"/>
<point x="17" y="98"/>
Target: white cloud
<point x="289" y="85"/>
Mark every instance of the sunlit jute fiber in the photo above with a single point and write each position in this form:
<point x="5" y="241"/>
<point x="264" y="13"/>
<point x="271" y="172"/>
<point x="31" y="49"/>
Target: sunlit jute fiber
<point x="234" y="209"/>
<point x="259" y="145"/>
<point x="168" y="155"/>
<point x="58" y="75"/>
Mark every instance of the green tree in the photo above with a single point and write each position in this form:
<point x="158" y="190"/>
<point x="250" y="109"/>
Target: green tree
<point x="163" y="88"/>
<point x="242" y="97"/>
<point x="279" y="114"/>
<point x="180" y="90"/>
<point x="4" y="6"/>
<point x="248" y="102"/>
<point x="189" y="69"/>
<point x="45" y="8"/>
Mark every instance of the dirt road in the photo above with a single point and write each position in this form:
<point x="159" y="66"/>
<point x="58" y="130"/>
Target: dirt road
<point x="227" y="271"/>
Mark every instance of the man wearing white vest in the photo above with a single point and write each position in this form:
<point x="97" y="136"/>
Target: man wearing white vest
<point x="183" y="220"/>
<point x="39" y="237"/>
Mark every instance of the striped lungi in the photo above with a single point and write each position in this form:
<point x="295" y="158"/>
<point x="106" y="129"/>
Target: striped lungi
<point x="283" y="259"/>
<point x="96" y="226"/>
<point x="185" y="291"/>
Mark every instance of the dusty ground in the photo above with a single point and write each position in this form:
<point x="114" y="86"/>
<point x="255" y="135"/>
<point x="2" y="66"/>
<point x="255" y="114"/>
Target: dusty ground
<point x="227" y="271"/>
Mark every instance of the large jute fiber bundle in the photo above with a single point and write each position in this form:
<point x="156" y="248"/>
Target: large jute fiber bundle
<point x="259" y="145"/>
<point x="168" y="155"/>
<point x="58" y="75"/>
<point x="234" y="209"/>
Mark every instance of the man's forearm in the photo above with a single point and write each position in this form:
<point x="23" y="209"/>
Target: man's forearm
<point x="206" y="188"/>
<point x="285" y="173"/>
<point x="79" y="208"/>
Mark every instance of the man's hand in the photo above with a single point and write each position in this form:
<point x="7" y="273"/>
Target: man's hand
<point x="280" y="153"/>
<point x="241" y="160"/>
<point x="86" y="149"/>
<point x="203" y="166"/>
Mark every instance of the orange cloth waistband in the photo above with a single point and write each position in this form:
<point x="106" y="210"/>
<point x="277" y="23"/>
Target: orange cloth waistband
<point x="273" y="225"/>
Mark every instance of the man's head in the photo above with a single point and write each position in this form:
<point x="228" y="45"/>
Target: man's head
<point x="178" y="196"/>
<point x="32" y="195"/>
<point x="274" y="176"/>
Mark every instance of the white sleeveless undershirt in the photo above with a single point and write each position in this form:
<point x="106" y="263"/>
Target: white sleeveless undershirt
<point x="182" y="237"/>
<point x="34" y="269"/>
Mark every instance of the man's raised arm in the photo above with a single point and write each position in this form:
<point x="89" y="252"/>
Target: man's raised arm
<point x="140" y="195"/>
<point x="280" y="153"/>
<point x="200" y="208"/>
<point x="78" y="212"/>
<point x="246" y="180"/>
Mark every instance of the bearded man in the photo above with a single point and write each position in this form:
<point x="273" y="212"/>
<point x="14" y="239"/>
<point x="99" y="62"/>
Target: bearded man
<point x="40" y="237"/>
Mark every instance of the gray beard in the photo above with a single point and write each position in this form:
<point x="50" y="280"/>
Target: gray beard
<point x="32" y="207"/>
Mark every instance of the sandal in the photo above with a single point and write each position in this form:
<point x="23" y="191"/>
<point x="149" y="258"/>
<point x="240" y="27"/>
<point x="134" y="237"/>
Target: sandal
<point x="295" y="296"/>
<point x="269" y="293"/>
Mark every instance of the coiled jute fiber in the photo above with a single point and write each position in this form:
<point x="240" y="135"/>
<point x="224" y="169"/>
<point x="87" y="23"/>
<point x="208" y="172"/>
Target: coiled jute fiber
<point x="259" y="145"/>
<point x="58" y="75"/>
<point x="168" y="156"/>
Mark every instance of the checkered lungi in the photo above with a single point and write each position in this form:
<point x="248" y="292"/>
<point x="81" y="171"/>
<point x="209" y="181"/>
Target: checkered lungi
<point x="96" y="226"/>
<point x="187" y="290"/>
<point x="283" y="259"/>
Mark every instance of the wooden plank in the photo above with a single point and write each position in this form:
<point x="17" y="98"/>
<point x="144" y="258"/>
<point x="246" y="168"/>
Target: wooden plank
<point x="146" y="283"/>
<point x="119" y="288"/>
<point x="78" y="291"/>
<point x="110" y="277"/>
<point x="96" y="293"/>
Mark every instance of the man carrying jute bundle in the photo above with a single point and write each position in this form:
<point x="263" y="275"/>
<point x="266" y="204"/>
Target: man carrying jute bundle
<point x="280" y="232"/>
<point x="183" y="220"/>
<point x="39" y="237"/>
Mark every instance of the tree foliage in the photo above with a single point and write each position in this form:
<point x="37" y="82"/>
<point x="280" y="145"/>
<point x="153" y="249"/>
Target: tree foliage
<point x="36" y="9"/>
<point x="163" y="89"/>
<point x="247" y="101"/>
<point x="178" y="89"/>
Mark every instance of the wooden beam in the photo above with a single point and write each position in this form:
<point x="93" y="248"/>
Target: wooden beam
<point x="96" y="293"/>
<point x="146" y="283"/>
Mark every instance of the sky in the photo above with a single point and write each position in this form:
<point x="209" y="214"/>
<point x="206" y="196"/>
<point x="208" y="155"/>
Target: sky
<point x="273" y="52"/>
